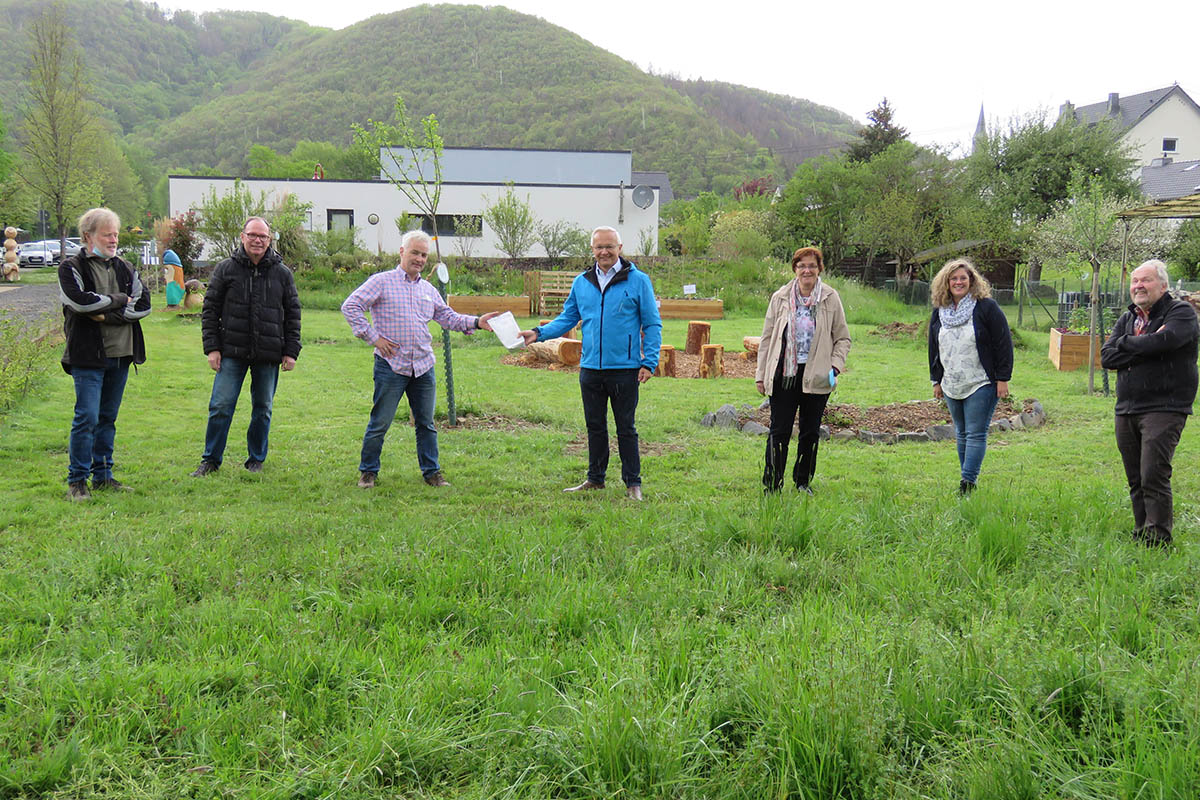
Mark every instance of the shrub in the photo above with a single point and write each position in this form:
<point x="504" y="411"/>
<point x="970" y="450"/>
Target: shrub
<point x="24" y="350"/>
<point x="181" y="234"/>
<point x="513" y="223"/>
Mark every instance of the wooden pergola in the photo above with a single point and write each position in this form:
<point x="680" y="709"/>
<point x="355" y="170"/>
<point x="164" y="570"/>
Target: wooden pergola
<point x="1186" y="207"/>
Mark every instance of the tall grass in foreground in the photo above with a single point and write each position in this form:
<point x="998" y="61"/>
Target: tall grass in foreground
<point x="288" y="635"/>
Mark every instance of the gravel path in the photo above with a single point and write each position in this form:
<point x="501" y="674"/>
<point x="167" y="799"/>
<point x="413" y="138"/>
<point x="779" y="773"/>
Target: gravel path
<point x="31" y="303"/>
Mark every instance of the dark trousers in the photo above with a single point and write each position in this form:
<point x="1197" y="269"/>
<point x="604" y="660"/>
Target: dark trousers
<point x="600" y="388"/>
<point x="785" y="403"/>
<point x="1147" y="444"/>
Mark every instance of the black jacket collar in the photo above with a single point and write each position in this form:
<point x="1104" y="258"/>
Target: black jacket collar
<point x="624" y="267"/>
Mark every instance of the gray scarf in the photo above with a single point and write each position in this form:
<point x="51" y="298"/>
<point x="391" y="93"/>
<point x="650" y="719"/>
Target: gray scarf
<point x="953" y="316"/>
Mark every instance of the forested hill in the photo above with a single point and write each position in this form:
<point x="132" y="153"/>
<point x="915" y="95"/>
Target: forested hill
<point x="793" y="129"/>
<point x="198" y="90"/>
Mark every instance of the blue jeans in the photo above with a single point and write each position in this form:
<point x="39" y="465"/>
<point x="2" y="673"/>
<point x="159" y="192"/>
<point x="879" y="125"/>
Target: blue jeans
<point x="972" y="417"/>
<point x="599" y="388"/>
<point x="227" y="385"/>
<point x="98" y="394"/>
<point x="389" y="388"/>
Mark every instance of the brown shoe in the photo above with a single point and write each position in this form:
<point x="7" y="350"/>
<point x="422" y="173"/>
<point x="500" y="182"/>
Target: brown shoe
<point x="586" y="486"/>
<point x="78" y="491"/>
<point x="110" y="485"/>
<point x="205" y="468"/>
<point x="634" y="493"/>
<point x="366" y="480"/>
<point x="437" y="479"/>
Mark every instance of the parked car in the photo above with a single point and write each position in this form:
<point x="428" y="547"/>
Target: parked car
<point x="38" y="254"/>
<point x="74" y="245"/>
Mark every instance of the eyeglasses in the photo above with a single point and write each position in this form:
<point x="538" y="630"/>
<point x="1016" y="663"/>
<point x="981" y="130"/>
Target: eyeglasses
<point x="259" y="237"/>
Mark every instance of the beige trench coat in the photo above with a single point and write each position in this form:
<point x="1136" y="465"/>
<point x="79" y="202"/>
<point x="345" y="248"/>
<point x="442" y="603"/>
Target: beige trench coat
<point x="830" y="343"/>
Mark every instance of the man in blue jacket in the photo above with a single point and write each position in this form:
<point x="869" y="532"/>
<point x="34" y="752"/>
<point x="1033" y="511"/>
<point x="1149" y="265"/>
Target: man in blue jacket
<point x="622" y="335"/>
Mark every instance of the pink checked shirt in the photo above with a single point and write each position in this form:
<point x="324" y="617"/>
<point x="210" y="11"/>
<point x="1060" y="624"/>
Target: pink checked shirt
<point x="400" y="310"/>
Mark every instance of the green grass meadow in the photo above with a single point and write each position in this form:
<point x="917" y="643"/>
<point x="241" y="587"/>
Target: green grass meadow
<point x="288" y="635"/>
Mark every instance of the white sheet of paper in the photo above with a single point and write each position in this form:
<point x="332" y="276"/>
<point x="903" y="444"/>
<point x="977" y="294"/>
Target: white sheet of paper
<point x="689" y="288"/>
<point x="507" y="331"/>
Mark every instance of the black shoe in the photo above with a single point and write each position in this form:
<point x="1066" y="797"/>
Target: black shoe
<point x="205" y="468"/>
<point x="78" y="491"/>
<point x="253" y="466"/>
<point x="110" y="485"/>
<point x="804" y="488"/>
<point x="965" y="488"/>
<point x="1155" y="537"/>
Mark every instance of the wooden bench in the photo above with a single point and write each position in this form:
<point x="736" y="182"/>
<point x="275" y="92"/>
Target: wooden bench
<point x="548" y="290"/>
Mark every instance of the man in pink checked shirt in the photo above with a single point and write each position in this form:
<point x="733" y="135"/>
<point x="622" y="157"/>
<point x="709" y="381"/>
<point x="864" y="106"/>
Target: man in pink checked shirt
<point x="401" y="304"/>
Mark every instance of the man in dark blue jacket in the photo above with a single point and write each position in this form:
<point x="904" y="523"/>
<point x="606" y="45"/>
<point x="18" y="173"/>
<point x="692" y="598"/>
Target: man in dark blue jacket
<point x="250" y="323"/>
<point x="622" y="335"/>
<point x="1153" y="349"/>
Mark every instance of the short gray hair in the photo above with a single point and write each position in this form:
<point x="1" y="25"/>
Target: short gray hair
<point x="415" y="236"/>
<point x="610" y="229"/>
<point x="246" y="224"/>
<point x="1160" y="269"/>
<point x="93" y="218"/>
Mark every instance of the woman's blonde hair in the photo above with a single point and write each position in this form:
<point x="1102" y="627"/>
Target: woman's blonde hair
<point x="939" y="290"/>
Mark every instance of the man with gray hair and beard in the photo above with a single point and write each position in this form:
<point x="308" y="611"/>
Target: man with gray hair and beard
<point x="1153" y="349"/>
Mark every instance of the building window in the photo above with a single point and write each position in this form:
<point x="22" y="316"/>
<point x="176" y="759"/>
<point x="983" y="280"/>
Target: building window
<point x="1169" y="145"/>
<point x="446" y="225"/>
<point x="340" y="219"/>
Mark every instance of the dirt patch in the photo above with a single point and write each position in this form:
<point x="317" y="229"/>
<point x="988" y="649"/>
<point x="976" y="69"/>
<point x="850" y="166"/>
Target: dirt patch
<point x="913" y="416"/>
<point x="685" y="366"/>
<point x="488" y="422"/>
<point x="900" y="330"/>
<point x="579" y="445"/>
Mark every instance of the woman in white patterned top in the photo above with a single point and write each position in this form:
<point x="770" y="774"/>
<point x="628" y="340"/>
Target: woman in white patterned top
<point x="970" y="359"/>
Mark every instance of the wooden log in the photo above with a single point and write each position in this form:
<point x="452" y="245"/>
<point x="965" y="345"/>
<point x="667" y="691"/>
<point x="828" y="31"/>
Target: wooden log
<point x="558" y="351"/>
<point x="568" y="335"/>
<point x="666" y="362"/>
<point x="697" y="337"/>
<point x="751" y="343"/>
<point x="711" y="362"/>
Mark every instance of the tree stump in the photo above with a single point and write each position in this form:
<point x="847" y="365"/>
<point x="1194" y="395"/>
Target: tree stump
<point x="558" y="351"/>
<point x="711" y="363"/>
<point x="666" y="362"/>
<point x="697" y="337"/>
<point x="751" y="344"/>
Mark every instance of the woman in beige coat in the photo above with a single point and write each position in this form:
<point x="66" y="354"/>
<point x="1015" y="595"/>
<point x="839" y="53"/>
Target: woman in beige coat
<point x="803" y="349"/>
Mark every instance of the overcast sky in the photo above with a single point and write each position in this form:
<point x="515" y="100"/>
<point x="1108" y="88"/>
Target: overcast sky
<point x="936" y="62"/>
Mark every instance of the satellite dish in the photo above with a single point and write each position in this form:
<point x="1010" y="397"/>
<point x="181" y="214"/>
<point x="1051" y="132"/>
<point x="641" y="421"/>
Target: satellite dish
<point x="643" y="196"/>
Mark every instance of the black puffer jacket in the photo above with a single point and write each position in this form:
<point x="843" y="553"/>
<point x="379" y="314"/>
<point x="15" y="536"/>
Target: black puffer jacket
<point x="81" y="301"/>
<point x="252" y="312"/>
<point x="1157" y="370"/>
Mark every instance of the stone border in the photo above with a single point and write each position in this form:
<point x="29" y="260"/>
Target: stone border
<point x="727" y="417"/>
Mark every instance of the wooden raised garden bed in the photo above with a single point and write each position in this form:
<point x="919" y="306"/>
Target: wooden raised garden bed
<point x="1069" y="351"/>
<point x="691" y="309"/>
<point x="476" y="304"/>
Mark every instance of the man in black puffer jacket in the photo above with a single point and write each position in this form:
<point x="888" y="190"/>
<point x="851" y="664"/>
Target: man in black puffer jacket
<point x="1153" y="349"/>
<point x="250" y="323"/>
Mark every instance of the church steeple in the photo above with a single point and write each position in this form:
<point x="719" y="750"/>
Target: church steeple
<point x="980" y="131"/>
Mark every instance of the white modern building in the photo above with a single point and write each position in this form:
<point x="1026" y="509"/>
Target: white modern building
<point x="586" y="189"/>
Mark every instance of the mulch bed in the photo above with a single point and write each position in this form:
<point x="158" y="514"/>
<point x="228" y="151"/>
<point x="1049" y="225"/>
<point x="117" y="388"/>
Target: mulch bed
<point x="916" y="415"/>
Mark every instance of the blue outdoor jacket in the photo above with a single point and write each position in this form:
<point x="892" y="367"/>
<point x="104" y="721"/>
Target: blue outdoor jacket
<point x="614" y="320"/>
